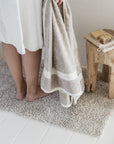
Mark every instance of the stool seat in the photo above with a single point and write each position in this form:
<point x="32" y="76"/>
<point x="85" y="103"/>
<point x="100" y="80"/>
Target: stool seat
<point x="93" y="59"/>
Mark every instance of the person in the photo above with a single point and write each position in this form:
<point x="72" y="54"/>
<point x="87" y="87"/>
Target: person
<point x="32" y="37"/>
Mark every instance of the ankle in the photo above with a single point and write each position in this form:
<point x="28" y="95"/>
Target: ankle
<point x="21" y="87"/>
<point x="32" y="89"/>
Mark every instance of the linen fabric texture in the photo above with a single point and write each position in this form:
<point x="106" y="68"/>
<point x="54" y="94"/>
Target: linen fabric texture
<point x="62" y="69"/>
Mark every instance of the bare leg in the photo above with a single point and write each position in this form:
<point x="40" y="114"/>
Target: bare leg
<point x="31" y="62"/>
<point x="13" y="60"/>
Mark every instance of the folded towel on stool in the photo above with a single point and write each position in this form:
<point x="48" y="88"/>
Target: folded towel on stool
<point x="101" y="47"/>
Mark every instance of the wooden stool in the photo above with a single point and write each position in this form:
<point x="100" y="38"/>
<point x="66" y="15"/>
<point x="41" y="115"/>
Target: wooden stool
<point x="93" y="59"/>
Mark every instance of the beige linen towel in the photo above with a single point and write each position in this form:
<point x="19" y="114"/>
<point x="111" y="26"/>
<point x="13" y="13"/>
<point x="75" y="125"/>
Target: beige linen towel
<point x="62" y="69"/>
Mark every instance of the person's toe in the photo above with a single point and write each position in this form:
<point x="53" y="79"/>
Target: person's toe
<point x="20" y="96"/>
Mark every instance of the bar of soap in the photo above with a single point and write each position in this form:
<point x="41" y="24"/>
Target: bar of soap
<point x="97" y="33"/>
<point x="105" y="38"/>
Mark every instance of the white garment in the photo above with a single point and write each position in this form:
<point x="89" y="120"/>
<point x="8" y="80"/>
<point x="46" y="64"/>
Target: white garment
<point x="21" y="24"/>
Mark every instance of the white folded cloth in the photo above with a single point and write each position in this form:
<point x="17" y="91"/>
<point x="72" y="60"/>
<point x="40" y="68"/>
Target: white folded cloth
<point x="101" y="47"/>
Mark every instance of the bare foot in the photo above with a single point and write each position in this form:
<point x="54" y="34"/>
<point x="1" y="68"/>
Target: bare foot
<point x="21" y="95"/>
<point x="39" y="94"/>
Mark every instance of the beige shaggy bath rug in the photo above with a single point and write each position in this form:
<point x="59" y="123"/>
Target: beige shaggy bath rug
<point x="88" y="116"/>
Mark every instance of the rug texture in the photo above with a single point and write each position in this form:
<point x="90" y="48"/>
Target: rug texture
<point x="88" y="116"/>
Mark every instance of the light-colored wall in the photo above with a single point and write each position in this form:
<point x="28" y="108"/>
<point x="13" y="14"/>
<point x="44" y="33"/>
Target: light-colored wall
<point x="89" y="15"/>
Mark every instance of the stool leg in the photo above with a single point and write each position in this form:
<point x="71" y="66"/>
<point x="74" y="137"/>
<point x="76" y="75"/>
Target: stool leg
<point x="91" y="77"/>
<point x="111" y="84"/>
<point x="91" y="69"/>
<point x="105" y="73"/>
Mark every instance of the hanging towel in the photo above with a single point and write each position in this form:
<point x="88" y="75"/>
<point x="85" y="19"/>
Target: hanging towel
<point x="62" y="69"/>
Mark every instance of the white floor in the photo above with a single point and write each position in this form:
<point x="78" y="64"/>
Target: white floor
<point x="18" y="130"/>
